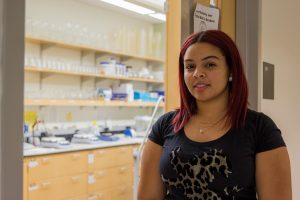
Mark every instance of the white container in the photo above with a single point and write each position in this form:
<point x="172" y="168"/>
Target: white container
<point x="141" y="123"/>
<point x="107" y="68"/>
<point x="125" y="88"/>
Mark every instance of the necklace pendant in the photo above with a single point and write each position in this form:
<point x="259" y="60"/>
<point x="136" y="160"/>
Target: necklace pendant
<point x="201" y="131"/>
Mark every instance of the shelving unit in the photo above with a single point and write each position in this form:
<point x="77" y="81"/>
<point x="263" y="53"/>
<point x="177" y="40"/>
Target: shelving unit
<point x="45" y="41"/>
<point x="73" y="102"/>
<point x="102" y="76"/>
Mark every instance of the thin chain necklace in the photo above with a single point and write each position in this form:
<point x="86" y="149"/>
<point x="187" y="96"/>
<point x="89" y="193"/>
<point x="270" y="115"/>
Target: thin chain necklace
<point x="205" y="128"/>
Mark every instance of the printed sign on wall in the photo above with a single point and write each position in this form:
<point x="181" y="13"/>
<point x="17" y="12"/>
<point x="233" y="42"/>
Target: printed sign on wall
<point x="206" y="18"/>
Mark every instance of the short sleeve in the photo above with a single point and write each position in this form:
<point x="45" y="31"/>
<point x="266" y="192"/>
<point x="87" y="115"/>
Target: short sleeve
<point x="160" y="128"/>
<point x="269" y="135"/>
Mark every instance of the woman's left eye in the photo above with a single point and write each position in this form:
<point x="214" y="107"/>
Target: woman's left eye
<point x="210" y="65"/>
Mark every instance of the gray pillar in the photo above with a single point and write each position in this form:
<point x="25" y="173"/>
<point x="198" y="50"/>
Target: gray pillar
<point x="11" y="98"/>
<point x="248" y="37"/>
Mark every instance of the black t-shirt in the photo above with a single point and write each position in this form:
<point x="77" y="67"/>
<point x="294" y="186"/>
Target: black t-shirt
<point x="222" y="169"/>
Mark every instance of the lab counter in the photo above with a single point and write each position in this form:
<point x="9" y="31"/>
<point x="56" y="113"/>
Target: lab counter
<point x="36" y="151"/>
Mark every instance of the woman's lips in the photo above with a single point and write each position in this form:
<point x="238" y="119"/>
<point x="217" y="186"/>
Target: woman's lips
<point x="201" y="86"/>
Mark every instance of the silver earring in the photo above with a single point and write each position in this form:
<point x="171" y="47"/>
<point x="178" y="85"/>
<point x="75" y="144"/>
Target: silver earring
<point x="230" y="78"/>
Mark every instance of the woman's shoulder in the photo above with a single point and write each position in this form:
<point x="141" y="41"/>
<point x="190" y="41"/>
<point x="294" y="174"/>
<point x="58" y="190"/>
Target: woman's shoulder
<point x="168" y="116"/>
<point x="266" y="133"/>
<point x="165" y="121"/>
<point x="257" y="116"/>
<point x="259" y="119"/>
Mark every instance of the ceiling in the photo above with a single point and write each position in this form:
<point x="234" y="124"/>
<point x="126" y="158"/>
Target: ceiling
<point x="156" y="5"/>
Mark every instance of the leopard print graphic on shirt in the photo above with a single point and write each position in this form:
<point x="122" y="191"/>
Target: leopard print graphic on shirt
<point x="194" y="175"/>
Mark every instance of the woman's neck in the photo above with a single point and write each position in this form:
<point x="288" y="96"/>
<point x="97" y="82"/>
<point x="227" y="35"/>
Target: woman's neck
<point x="211" y="111"/>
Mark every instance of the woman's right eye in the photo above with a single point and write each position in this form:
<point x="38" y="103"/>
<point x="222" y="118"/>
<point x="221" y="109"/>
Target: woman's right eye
<point x="189" y="66"/>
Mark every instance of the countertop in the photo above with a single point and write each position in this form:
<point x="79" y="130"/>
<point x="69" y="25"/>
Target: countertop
<point x="36" y="151"/>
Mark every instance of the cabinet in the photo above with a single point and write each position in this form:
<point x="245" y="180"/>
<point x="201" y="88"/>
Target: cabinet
<point x="47" y="175"/>
<point x="95" y="174"/>
<point x="109" y="177"/>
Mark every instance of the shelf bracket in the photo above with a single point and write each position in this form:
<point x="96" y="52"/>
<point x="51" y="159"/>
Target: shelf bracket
<point x="124" y="58"/>
<point x="84" y="54"/>
<point x="86" y="78"/>
<point x="45" y="46"/>
<point x="44" y="75"/>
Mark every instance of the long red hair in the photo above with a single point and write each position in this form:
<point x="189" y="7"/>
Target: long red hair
<point x="238" y="88"/>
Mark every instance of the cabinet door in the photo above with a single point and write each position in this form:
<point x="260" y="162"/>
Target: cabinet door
<point x="73" y="186"/>
<point x="84" y="197"/>
<point x="100" y="195"/>
<point x="42" y="167"/>
<point x="58" y="188"/>
<point x="72" y="163"/>
<point x="51" y="166"/>
<point x="100" y="179"/>
<point x="110" y="157"/>
<point x="46" y="189"/>
<point x="122" y="175"/>
<point x="124" y="192"/>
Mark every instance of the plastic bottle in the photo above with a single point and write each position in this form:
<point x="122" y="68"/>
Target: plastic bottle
<point x="128" y="132"/>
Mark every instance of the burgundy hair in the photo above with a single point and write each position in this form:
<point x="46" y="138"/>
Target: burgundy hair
<point x="238" y="89"/>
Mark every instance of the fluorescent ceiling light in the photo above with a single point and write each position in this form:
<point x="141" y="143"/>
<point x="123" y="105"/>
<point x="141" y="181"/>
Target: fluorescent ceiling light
<point x="159" y="16"/>
<point x="129" y="6"/>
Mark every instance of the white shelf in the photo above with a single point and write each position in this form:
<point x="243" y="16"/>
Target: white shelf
<point x="87" y="48"/>
<point x="100" y="103"/>
<point x="103" y="76"/>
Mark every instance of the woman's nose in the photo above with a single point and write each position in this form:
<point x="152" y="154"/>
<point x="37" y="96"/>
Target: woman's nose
<point x="199" y="74"/>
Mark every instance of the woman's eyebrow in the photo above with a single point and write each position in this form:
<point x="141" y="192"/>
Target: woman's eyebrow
<point x="208" y="57"/>
<point x="205" y="58"/>
<point x="188" y="60"/>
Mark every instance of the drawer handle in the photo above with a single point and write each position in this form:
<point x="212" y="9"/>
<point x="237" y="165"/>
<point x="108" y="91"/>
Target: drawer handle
<point x="123" y="149"/>
<point x="75" y="156"/>
<point x="94" y="197"/>
<point x="100" y="174"/>
<point x="46" y="160"/>
<point x="75" y="179"/>
<point x="33" y="187"/>
<point x="122" y="190"/>
<point x="46" y="185"/>
<point x="123" y="169"/>
<point x="100" y="153"/>
<point x="33" y="163"/>
<point x="100" y="195"/>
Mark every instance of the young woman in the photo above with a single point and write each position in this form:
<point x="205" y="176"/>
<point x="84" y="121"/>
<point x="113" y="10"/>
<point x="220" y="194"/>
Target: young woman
<point x="214" y="147"/>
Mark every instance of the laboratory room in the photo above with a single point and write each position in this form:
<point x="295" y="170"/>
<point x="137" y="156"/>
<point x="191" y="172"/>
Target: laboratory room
<point x="97" y="75"/>
<point x="94" y="75"/>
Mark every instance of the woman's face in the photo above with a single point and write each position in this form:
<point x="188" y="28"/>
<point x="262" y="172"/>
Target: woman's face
<point x="206" y="72"/>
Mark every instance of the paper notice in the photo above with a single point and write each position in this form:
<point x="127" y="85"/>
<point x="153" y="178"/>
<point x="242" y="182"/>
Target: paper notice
<point x="206" y="18"/>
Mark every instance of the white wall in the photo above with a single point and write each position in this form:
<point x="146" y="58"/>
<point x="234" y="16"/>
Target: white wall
<point x="281" y="46"/>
